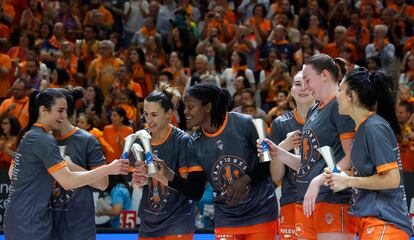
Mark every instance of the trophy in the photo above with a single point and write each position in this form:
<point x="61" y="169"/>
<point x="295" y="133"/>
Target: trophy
<point x="137" y="150"/>
<point x="62" y="150"/>
<point x="129" y="140"/>
<point x="328" y="154"/>
<point x="145" y="138"/>
<point x="261" y="131"/>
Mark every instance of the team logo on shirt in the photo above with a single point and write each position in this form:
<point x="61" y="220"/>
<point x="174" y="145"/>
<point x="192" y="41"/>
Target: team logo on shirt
<point x="157" y="194"/>
<point x="310" y="154"/>
<point x="60" y="196"/>
<point x="329" y="218"/>
<point x="225" y="171"/>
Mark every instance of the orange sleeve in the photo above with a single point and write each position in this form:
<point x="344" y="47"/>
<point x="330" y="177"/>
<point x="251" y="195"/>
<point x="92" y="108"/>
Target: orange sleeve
<point x="108" y="18"/>
<point x="347" y="135"/>
<point x="195" y="169"/>
<point x="183" y="170"/>
<point x="56" y="167"/>
<point x="386" y="167"/>
<point x="9" y="9"/>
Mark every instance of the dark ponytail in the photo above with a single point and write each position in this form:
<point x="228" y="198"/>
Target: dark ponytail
<point x="167" y="96"/>
<point x="210" y="93"/>
<point x="72" y="95"/>
<point x="374" y="94"/>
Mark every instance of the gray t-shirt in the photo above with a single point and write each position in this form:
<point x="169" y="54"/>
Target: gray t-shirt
<point x="375" y="150"/>
<point x="28" y="209"/>
<point x="74" y="210"/>
<point x="281" y="126"/>
<point x="224" y="157"/>
<point x="324" y="126"/>
<point x="164" y="211"/>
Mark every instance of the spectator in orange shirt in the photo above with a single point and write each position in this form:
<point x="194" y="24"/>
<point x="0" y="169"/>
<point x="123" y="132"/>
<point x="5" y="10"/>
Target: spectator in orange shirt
<point x="405" y="117"/>
<point x="19" y="53"/>
<point x="404" y="17"/>
<point x="319" y="35"/>
<point x="58" y="35"/>
<point x="115" y="133"/>
<point x="73" y="26"/>
<point x="358" y="35"/>
<point x="360" y="6"/>
<point x="307" y="45"/>
<point x="87" y="48"/>
<point x="404" y="112"/>
<point x="7" y="15"/>
<point x="73" y="65"/>
<point x="332" y="49"/>
<point x="32" y="17"/>
<point x="229" y="15"/>
<point x="18" y="104"/>
<point x="259" y="22"/>
<point x="217" y="26"/>
<point x="99" y="15"/>
<point x="6" y="72"/>
<point x="148" y="30"/>
<point x="142" y="72"/>
<point x="369" y="17"/>
<point x="102" y="68"/>
<point x="180" y="73"/>
<point x="9" y="131"/>
<point x="154" y="52"/>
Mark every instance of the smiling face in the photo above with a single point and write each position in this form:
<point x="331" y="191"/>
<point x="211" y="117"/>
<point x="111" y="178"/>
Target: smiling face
<point x="55" y="116"/>
<point x="82" y="122"/>
<point x="196" y="113"/>
<point x="312" y="81"/>
<point x="299" y="93"/>
<point x="156" y="117"/>
<point x="344" y="99"/>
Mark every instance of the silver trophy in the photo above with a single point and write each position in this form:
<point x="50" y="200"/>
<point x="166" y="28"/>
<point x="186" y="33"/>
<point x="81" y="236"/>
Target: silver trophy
<point x="145" y="138"/>
<point x="129" y="140"/>
<point x="261" y="131"/>
<point x="329" y="156"/>
<point x="62" y="150"/>
<point x="137" y="150"/>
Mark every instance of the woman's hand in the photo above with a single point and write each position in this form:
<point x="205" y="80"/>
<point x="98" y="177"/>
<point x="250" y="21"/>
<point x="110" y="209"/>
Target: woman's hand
<point x="336" y="181"/>
<point x="312" y="193"/>
<point x="273" y="148"/>
<point x="237" y="190"/>
<point x="140" y="176"/>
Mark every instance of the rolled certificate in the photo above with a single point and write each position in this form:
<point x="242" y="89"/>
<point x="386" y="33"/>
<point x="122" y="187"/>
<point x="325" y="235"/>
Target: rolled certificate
<point x="62" y="150"/>
<point x="261" y="131"/>
<point x="328" y="154"/>
<point x="145" y="138"/>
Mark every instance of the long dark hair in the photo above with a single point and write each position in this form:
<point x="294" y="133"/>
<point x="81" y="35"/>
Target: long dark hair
<point x="374" y="94"/>
<point x="121" y="112"/>
<point x="46" y="98"/>
<point x="71" y="95"/>
<point x="14" y="126"/>
<point x="99" y="99"/>
<point x="218" y="97"/>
